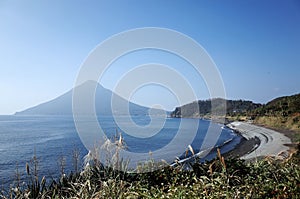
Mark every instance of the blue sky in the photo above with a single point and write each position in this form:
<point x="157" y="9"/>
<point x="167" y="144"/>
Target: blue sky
<point x="255" y="45"/>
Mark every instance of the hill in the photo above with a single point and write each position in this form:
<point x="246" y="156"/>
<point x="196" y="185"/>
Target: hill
<point x="280" y="113"/>
<point x="203" y="108"/>
<point x="282" y="106"/>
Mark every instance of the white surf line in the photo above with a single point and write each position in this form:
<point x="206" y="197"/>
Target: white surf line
<point x="201" y="154"/>
<point x="271" y="142"/>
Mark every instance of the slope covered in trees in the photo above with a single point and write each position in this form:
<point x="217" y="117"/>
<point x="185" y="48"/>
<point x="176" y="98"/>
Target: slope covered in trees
<point x="282" y="106"/>
<point x="280" y="113"/>
<point x="203" y="108"/>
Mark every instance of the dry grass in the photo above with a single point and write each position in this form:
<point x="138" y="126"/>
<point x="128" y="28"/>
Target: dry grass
<point x="219" y="178"/>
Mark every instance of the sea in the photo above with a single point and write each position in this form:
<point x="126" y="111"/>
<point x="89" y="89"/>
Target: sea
<point x="53" y="140"/>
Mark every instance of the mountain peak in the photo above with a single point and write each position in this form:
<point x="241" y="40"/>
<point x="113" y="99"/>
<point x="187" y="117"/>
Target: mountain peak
<point x="89" y="83"/>
<point x="62" y="105"/>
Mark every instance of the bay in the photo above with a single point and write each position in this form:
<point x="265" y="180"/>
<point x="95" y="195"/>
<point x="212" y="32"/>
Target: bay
<point x="51" y="138"/>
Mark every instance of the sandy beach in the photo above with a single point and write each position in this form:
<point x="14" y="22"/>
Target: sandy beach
<point x="259" y="141"/>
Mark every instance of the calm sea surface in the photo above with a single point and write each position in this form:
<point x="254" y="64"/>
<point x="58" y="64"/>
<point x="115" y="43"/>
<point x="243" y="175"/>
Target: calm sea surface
<point x="54" y="137"/>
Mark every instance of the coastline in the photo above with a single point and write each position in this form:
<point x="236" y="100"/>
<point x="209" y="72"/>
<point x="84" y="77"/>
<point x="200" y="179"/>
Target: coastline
<point x="245" y="146"/>
<point x="258" y="142"/>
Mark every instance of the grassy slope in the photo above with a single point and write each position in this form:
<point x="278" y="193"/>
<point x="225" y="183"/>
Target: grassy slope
<point x="281" y="113"/>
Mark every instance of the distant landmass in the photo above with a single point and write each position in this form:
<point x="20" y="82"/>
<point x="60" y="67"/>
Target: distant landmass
<point x="280" y="113"/>
<point x="62" y="105"/>
<point x="203" y="108"/>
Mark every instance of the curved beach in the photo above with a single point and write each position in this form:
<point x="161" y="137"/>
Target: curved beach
<point x="268" y="142"/>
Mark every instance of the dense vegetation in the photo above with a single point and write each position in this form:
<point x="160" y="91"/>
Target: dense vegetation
<point x="282" y="106"/>
<point x="203" y="108"/>
<point x="219" y="178"/>
<point x="280" y="113"/>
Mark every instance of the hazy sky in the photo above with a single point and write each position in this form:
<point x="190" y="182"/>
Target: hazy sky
<point x="255" y="45"/>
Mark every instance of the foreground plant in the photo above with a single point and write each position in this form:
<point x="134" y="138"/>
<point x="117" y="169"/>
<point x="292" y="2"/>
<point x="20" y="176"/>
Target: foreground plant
<point x="219" y="178"/>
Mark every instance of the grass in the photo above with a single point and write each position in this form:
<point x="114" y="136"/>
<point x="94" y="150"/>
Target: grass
<point x="290" y="123"/>
<point x="219" y="178"/>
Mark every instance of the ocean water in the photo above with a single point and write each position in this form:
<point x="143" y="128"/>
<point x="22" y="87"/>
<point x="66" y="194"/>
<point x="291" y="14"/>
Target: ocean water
<point x="52" y="137"/>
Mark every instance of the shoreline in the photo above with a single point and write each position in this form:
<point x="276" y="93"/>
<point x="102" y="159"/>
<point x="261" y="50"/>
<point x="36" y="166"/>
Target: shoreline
<point x="245" y="146"/>
<point x="258" y="141"/>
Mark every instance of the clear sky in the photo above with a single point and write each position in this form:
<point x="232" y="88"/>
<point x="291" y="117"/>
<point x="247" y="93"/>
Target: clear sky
<point x="255" y="45"/>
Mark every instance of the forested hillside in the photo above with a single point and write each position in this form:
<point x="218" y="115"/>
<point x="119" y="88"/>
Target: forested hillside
<point x="203" y="108"/>
<point x="282" y="112"/>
